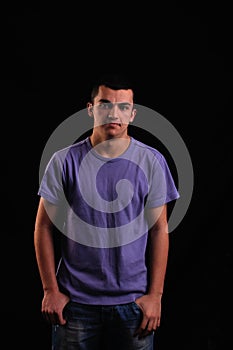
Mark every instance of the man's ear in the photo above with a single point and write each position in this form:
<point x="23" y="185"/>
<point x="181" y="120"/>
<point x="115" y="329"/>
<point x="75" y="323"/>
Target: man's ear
<point x="90" y="109"/>
<point x="133" y="114"/>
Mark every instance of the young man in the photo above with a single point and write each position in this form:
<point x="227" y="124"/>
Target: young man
<point x="108" y="196"/>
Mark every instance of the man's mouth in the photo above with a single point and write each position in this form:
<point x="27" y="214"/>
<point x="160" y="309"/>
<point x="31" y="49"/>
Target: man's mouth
<point x="113" y="123"/>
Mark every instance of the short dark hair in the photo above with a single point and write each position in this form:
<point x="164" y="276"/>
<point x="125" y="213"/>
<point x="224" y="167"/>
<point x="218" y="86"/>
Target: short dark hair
<point x="113" y="81"/>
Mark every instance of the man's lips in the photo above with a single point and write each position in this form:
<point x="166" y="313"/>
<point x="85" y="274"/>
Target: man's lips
<point x="113" y="124"/>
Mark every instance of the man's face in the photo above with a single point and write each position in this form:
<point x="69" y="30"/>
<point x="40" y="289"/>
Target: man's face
<point x="112" y="111"/>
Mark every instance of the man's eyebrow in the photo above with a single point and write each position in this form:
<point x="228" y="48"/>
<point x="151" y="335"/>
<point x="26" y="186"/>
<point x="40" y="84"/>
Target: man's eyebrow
<point x="119" y="103"/>
<point x="104" y="100"/>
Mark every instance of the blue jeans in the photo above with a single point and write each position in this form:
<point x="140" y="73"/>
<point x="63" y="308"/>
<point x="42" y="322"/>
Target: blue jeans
<point x="91" y="327"/>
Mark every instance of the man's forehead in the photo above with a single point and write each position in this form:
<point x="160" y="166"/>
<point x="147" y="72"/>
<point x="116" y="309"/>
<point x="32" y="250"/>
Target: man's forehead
<point x="119" y="96"/>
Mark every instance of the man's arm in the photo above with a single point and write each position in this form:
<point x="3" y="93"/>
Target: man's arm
<point x="158" y="250"/>
<point x="53" y="301"/>
<point x="158" y="256"/>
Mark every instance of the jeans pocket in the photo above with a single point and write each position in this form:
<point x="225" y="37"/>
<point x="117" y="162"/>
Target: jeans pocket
<point x="66" y="310"/>
<point x="136" y="306"/>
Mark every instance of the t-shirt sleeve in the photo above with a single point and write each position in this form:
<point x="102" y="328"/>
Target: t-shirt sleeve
<point x="162" y="188"/>
<point x="51" y="187"/>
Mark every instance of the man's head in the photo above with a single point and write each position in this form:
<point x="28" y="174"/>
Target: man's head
<point x="112" y="106"/>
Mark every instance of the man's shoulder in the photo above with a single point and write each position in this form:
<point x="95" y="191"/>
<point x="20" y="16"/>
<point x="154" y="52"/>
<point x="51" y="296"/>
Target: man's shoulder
<point x="146" y="148"/>
<point x="77" y="146"/>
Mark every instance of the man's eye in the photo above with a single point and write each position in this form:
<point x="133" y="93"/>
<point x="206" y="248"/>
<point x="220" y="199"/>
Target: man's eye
<point x="124" y="107"/>
<point x="105" y="105"/>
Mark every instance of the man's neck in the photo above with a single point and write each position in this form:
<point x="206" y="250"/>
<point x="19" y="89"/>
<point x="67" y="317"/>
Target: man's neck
<point x="110" y="148"/>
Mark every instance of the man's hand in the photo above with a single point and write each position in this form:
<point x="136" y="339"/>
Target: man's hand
<point x="151" y="309"/>
<point x="53" y="305"/>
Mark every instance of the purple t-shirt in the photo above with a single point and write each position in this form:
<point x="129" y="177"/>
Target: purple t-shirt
<point x="102" y="204"/>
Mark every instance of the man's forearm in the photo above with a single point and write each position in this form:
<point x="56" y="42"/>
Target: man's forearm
<point x="158" y="256"/>
<point x="45" y="258"/>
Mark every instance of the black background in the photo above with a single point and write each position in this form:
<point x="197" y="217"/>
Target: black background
<point x="180" y="58"/>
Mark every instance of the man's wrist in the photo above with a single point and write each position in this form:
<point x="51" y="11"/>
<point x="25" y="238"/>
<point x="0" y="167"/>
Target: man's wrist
<point x="156" y="294"/>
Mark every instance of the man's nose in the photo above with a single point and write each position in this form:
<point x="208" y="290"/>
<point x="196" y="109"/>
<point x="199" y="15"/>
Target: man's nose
<point x="113" y="114"/>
